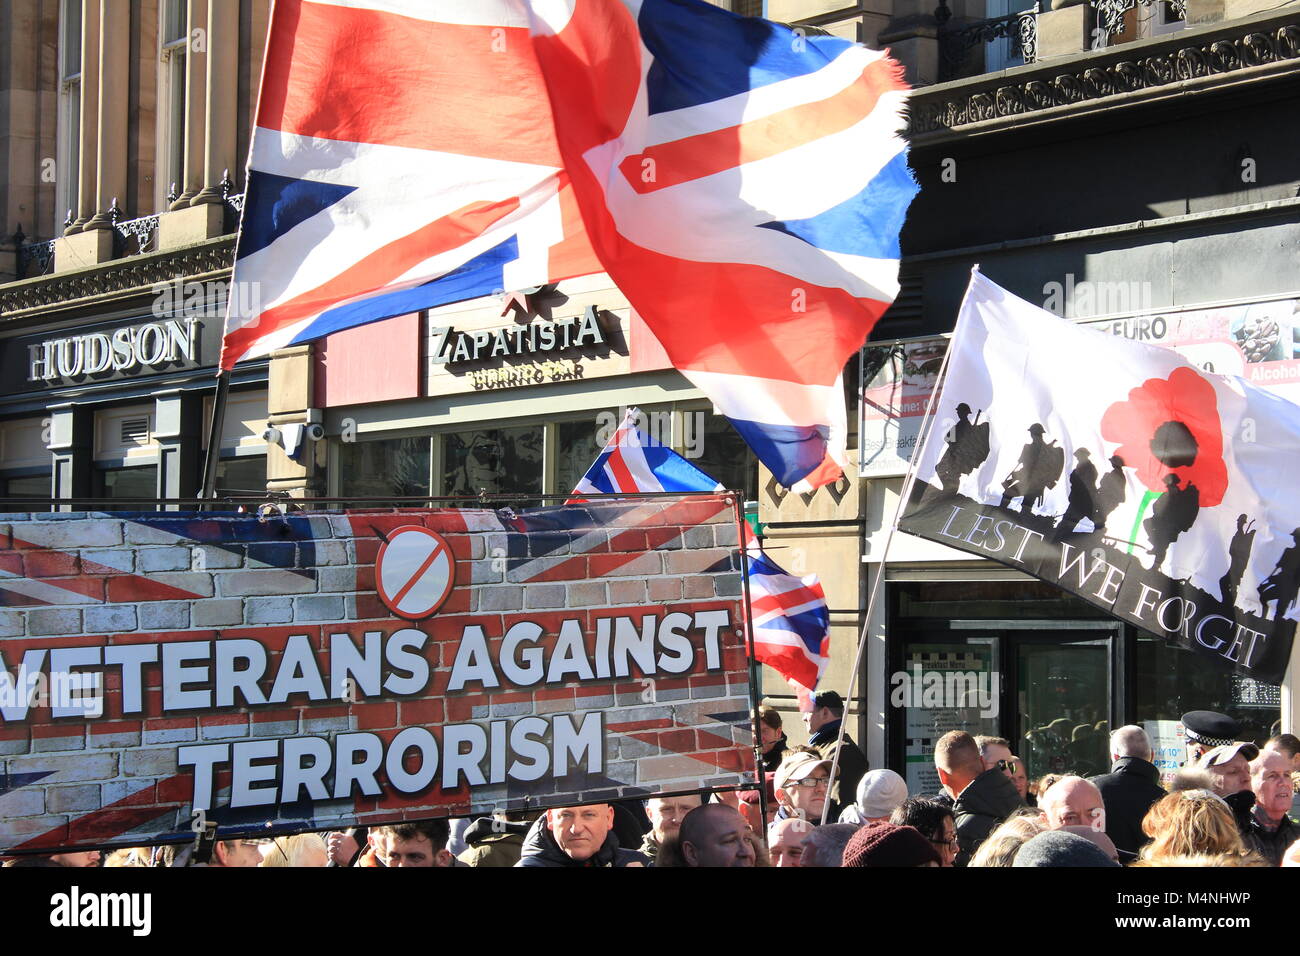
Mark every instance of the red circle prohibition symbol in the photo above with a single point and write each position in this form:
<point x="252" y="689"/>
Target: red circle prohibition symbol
<point x="414" y="572"/>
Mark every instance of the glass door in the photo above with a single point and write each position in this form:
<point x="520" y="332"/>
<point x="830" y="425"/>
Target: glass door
<point x="1063" y="703"/>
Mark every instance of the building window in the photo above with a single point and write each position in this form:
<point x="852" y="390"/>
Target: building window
<point x="711" y="444"/>
<point x="494" y="460"/>
<point x="68" y="162"/>
<point x="387" y="467"/>
<point x="1155" y="19"/>
<point x="28" y="486"/>
<point x="139" y="482"/>
<point x="173" y="38"/>
<point x="1171" y="681"/>
<point x="247" y="473"/>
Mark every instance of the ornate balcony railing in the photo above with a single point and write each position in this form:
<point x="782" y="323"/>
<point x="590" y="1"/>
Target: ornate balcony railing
<point x="1110" y="13"/>
<point x="39" y="254"/>
<point x="1020" y="30"/>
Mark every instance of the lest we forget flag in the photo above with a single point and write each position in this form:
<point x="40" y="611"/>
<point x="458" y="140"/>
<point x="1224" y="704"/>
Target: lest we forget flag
<point x="788" y="613"/>
<point x="1118" y="471"/>
<point x="743" y="183"/>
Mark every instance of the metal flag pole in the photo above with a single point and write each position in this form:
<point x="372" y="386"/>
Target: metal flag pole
<point x="216" y="424"/>
<point x="909" y="481"/>
<point x="760" y="778"/>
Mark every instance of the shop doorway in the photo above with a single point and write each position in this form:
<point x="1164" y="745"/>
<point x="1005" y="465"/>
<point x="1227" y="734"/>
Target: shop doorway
<point x="1046" y="686"/>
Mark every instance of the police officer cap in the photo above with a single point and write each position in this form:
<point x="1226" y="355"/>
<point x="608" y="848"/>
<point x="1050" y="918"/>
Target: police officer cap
<point x="1210" y="727"/>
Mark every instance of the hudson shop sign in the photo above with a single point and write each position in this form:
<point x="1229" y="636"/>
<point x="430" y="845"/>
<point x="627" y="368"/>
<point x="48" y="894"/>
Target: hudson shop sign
<point x="122" y="350"/>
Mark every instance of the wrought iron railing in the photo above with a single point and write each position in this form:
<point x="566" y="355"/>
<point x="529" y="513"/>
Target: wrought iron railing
<point x="130" y="236"/>
<point x="1020" y="30"/>
<point x="1110" y="13"/>
<point x="41" y="253"/>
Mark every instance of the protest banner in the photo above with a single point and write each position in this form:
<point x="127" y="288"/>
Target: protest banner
<point x="163" y="671"/>
<point x="1122" y="473"/>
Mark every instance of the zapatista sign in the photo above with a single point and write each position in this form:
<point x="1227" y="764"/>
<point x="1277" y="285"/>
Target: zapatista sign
<point x="161" y="671"/>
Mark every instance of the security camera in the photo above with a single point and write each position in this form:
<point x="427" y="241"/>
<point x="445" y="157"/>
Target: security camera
<point x="315" y="431"/>
<point x="271" y="435"/>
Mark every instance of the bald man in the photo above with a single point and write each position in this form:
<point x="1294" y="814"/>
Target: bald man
<point x="1072" y="802"/>
<point x="715" y="835"/>
<point x="1129" y="790"/>
<point x="785" y="841"/>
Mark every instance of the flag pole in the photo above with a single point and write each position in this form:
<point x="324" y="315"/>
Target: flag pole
<point x="216" y="424"/>
<point x="909" y="480"/>
<point x="760" y="778"/>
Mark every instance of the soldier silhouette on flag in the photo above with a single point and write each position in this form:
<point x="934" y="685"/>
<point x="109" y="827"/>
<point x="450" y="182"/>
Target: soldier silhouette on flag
<point x="1111" y="492"/>
<point x="1173" y="513"/>
<point x="1083" y="494"/>
<point x="1038" y="468"/>
<point x="1283" y="584"/>
<point x="968" y="446"/>
<point x="1239" y="556"/>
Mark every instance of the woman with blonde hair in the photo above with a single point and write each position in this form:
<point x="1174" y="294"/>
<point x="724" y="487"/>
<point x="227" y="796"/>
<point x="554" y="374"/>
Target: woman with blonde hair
<point x="1190" y="823"/>
<point x="301" y="849"/>
<point x="1004" y="843"/>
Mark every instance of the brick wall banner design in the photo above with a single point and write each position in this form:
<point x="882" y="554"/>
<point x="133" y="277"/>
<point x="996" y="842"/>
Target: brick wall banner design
<point x="331" y="669"/>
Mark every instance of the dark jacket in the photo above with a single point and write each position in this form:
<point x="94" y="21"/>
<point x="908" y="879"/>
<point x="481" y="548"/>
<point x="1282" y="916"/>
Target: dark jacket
<point x="498" y="845"/>
<point x="990" y="799"/>
<point x="540" y="849"/>
<point x="772" y="759"/>
<point x="1128" y="792"/>
<point x="1271" y="844"/>
<point x="850" y="769"/>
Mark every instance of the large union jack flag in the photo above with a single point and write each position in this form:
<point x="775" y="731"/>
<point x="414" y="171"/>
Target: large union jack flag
<point x="743" y="183"/>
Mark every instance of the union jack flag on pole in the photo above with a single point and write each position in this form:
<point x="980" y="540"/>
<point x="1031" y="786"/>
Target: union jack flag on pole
<point x="788" y="614"/>
<point x="743" y="184"/>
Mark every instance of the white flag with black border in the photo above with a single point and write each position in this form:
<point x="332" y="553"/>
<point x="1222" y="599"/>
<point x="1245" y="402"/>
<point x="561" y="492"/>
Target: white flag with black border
<point x="1120" y="472"/>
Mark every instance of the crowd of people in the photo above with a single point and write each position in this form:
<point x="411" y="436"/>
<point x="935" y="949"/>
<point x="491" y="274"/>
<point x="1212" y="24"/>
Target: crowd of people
<point x="1228" y="805"/>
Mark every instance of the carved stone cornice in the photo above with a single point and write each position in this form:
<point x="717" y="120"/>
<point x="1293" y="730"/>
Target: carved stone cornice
<point x="121" y="278"/>
<point x="1130" y="72"/>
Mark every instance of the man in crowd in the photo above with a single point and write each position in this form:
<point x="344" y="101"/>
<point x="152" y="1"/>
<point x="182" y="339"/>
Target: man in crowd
<point x="1020" y="777"/>
<point x="666" y="815"/>
<point x="1229" y="770"/>
<point x="1129" y="790"/>
<point x="414" y="844"/>
<point x="981" y="798"/>
<point x="785" y="841"/>
<point x="824" y="722"/>
<point x="1271" y="832"/>
<point x="824" y="846"/>
<point x="880" y="793"/>
<point x="994" y="751"/>
<point x="772" y="738"/>
<point x="885" y="845"/>
<point x="235" y="853"/>
<point x="577" y="836"/>
<point x="715" y="835"/>
<point x="1073" y="802"/>
<point x="802" y="782"/>
<point x="84" y="858"/>
<point x="934" y="821"/>
<point x="1207" y="729"/>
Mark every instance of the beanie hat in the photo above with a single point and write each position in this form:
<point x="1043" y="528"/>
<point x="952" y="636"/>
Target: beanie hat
<point x="880" y="793"/>
<point x="1058" y="848"/>
<point x="883" y="844"/>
